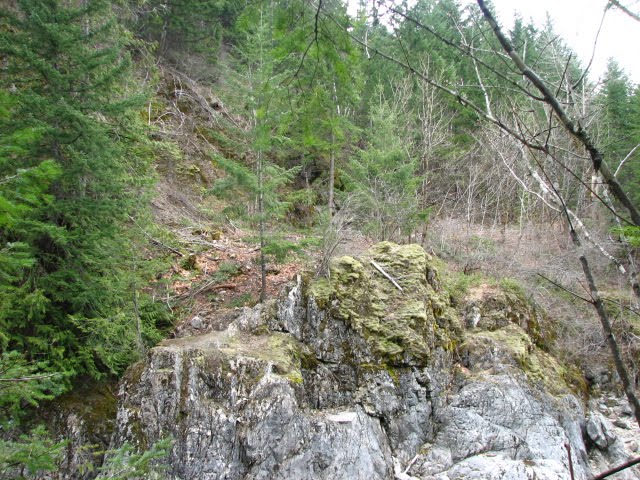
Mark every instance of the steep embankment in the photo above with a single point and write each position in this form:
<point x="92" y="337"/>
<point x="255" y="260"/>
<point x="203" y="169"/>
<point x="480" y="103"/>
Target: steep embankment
<point x="370" y="374"/>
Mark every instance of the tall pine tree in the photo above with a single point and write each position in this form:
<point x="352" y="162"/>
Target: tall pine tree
<point x="621" y="123"/>
<point x="70" y="177"/>
<point x="258" y="90"/>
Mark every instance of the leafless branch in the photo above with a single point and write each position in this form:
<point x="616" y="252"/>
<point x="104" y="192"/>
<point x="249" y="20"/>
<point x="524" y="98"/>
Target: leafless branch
<point x="625" y="159"/>
<point x="593" y="50"/>
<point x="574" y="128"/>
<point x="617" y="4"/>
<point x="27" y="378"/>
<point x="464" y="101"/>
<point x="617" y="469"/>
<point x="463" y="50"/>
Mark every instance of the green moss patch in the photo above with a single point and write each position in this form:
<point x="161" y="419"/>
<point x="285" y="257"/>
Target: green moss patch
<point x="514" y="342"/>
<point x="96" y="404"/>
<point x="504" y="304"/>
<point x="321" y="291"/>
<point x="219" y="349"/>
<point x="399" y="324"/>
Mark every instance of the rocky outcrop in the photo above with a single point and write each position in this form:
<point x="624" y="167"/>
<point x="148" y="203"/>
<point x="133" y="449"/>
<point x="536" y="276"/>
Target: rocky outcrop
<point x="369" y="374"/>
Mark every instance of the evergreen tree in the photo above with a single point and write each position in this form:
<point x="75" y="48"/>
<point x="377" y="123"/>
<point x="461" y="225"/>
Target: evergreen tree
<point x="621" y="125"/>
<point x="258" y="91"/>
<point x="192" y="27"/>
<point x="382" y="177"/>
<point x="28" y="452"/>
<point x="72" y="173"/>
<point x="630" y="171"/>
<point x="24" y="452"/>
<point x="327" y="76"/>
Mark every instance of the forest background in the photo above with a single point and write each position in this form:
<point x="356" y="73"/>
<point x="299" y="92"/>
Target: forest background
<point x="308" y="130"/>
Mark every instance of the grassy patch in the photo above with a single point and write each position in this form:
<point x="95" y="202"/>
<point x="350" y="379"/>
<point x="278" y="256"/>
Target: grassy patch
<point x="458" y="284"/>
<point x="513" y="286"/>
<point x="225" y="271"/>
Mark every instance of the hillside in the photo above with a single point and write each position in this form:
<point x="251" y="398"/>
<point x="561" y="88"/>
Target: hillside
<point x="212" y="202"/>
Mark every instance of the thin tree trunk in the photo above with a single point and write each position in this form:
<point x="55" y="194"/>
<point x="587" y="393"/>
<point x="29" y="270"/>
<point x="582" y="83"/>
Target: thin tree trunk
<point x="621" y="369"/>
<point x="136" y="307"/>
<point x="332" y="175"/>
<point x="617" y="469"/>
<point x="136" y="310"/>
<point x="332" y="156"/>
<point x="261" y="227"/>
<point x="632" y="268"/>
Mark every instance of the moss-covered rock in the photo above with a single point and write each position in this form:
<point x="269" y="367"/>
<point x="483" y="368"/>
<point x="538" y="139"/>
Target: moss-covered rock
<point x="511" y="346"/>
<point x="372" y="356"/>
<point x="95" y="405"/>
<point x="321" y="291"/>
<point x="491" y="307"/>
<point x="276" y="352"/>
<point x="85" y="418"/>
<point x="399" y="324"/>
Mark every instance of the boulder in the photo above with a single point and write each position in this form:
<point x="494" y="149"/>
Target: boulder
<point x="368" y="374"/>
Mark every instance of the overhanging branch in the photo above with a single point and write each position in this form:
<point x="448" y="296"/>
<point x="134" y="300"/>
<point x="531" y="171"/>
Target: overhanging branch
<point x="574" y="128"/>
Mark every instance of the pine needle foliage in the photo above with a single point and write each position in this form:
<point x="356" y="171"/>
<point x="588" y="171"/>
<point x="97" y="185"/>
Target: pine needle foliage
<point x="74" y="169"/>
<point x="127" y="463"/>
<point x="25" y="452"/>
<point x="382" y="178"/>
<point x="259" y="179"/>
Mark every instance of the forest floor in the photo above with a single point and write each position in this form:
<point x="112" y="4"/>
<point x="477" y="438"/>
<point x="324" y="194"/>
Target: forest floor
<point x="224" y="276"/>
<point x="218" y="268"/>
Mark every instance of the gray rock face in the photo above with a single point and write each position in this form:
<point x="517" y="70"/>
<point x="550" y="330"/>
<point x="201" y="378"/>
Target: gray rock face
<point x="502" y="425"/>
<point x="599" y="432"/>
<point x="233" y="404"/>
<point x="303" y="392"/>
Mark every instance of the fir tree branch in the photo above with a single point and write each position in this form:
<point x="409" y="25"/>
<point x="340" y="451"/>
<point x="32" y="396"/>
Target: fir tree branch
<point x="155" y="240"/>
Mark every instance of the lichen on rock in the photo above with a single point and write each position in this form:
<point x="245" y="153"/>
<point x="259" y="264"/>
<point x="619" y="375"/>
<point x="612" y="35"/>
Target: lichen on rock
<point x="511" y="348"/>
<point x="491" y="307"/>
<point x="402" y="325"/>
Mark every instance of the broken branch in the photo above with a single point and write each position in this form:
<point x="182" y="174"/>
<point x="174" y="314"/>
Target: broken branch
<point x="386" y="275"/>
